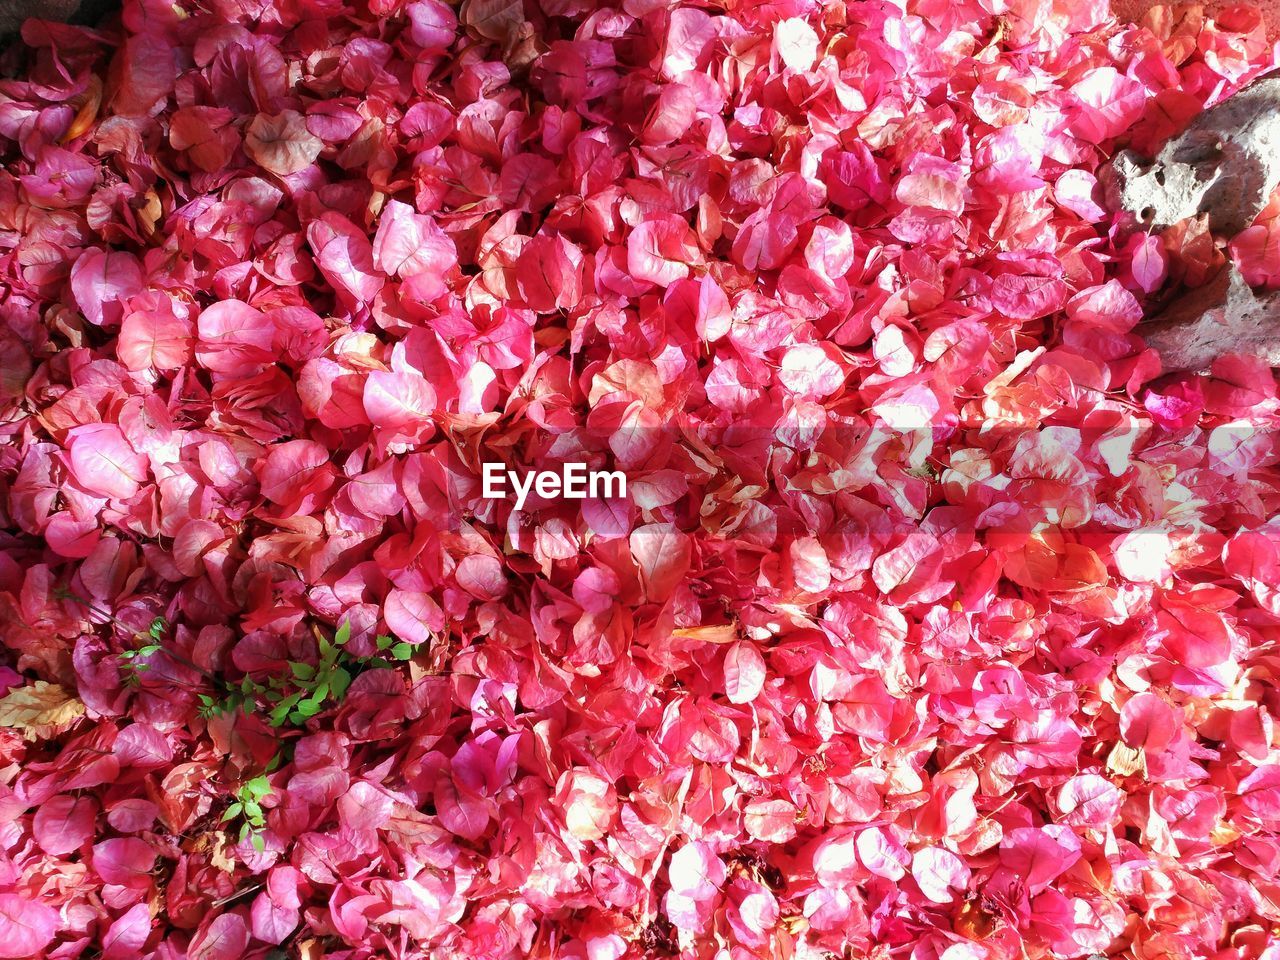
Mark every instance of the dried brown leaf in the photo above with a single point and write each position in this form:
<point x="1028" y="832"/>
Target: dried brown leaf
<point x="40" y="710"/>
<point x="1126" y="760"/>
<point x="712" y="633"/>
<point x="87" y="106"/>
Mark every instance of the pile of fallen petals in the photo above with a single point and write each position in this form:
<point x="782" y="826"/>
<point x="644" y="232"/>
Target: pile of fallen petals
<point x="938" y="621"/>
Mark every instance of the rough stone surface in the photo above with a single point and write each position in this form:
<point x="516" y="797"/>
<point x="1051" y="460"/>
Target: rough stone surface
<point x="1225" y="165"/>
<point x="1224" y="316"/>
<point x="1133" y="11"/>
<point x="14" y="12"/>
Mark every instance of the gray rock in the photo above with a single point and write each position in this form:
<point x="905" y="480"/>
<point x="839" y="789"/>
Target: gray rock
<point x="1225" y="164"/>
<point x="1223" y="316"/>
<point x="13" y="13"/>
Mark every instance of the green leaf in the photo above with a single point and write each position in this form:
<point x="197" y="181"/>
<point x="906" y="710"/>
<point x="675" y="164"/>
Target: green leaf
<point x="233" y="811"/>
<point x="159" y="627"/>
<point x="343" y="634"/>
<point x="258" y="787"/>
<point x="302" y="671"/>
<point x="283" y="708"/>
<point x="253" y="811"/>
<point x="259" y="844"/>
<point x="402" y="651"/>
<point x="339" y="683"/>
<point x="307" y="708"/>
<point x="384" y="642"/>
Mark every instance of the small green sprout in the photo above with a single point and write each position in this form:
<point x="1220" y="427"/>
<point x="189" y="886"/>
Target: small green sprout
<point x="248" y="808"/>
<point x="398" y="651"/>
